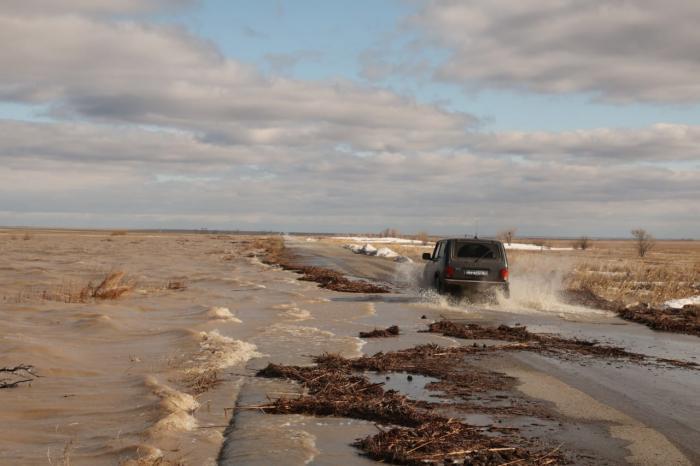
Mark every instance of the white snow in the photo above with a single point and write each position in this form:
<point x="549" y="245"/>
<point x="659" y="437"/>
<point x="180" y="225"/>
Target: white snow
<point x="679" y="303"/>
<point x="388" y="240"/>
<point x="368" y="250"/>
<point x="386" y="252"/>
<point x="533" y="247"/>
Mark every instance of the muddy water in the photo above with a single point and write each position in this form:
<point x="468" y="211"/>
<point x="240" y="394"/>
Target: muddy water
<point x="115" y="375"/>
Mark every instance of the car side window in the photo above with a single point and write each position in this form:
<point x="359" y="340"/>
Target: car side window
<point x="439" y="250"/>
<point x="436" y="250"/>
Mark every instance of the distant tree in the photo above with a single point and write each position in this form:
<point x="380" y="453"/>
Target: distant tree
<point x="643" y="241"/>
<point x="422" y="236"/>
<point x="389" y="233"/>
<point x="582" y="243"/>
<point x="507" y="235"/>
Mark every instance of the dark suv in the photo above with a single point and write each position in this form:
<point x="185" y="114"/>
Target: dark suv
<point x="467" y="264"/>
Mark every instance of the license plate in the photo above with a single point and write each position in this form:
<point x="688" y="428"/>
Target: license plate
<point x="477" y="273"/>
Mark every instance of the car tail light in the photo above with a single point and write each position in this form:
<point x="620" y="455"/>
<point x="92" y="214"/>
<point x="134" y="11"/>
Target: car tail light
<point x="449" y="271"/>
<point x="504" y="275"/>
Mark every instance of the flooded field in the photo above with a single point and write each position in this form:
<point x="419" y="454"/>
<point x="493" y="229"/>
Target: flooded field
<point x="163" y="371"/>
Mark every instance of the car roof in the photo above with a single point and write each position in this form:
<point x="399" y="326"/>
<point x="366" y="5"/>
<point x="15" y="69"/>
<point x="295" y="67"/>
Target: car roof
<point x="473" y="240"/>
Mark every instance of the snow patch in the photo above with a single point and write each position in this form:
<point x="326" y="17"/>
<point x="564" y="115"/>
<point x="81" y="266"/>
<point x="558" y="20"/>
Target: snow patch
<point x="366" y="239"/>
<point x="386" y="252"/>
<point x="679" y="303"/>
<point x="533" y="247"/>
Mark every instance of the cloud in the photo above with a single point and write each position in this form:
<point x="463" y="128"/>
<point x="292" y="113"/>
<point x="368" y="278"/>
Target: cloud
<point x="128" y="72"/>
<point x="153" y="126"/>
<point x="659" y="143"/>
<point x="99" y="7"/>
<point x="164" y="178"/>
<point x="622" y="51"/>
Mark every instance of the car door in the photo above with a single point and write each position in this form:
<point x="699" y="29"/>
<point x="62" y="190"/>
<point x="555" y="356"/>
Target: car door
<point x="433" y="265"/>
<point x="429" y="268"/>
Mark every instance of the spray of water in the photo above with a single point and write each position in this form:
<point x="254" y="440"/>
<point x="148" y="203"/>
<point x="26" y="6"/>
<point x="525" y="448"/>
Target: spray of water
<point x="537" y="283"/>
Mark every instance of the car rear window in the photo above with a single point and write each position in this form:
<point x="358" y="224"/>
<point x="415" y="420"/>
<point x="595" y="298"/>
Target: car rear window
<point x="471" y="250"/>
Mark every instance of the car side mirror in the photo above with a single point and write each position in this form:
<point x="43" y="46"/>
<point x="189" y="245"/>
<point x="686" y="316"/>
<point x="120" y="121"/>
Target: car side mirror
<point x="426" y="256"/>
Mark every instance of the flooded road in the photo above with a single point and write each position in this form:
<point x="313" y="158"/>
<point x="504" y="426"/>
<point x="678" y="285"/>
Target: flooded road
<point x="656" y="408"/>
<point x="159" y="372"/>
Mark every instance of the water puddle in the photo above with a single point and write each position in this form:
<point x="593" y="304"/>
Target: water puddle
<point x="411" y="385"/>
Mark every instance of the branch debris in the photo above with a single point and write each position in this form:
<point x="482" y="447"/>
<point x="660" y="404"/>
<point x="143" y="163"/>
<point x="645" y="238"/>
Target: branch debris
<point x="379" y="333"/>
<point x="417" y="433"/>
<point x="22" y="373"/>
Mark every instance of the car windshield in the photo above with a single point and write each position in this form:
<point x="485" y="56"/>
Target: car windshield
<point x="472" y="250"/>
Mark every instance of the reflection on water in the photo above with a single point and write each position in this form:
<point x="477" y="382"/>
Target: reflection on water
<point x="378" y="298"/>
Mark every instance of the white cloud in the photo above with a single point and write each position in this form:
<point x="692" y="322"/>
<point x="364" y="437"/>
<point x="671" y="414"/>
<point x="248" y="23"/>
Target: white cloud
<point x="658" y="143"/>
<point x="642" y="50"/>
<point x="155" y="127"/>
<point x="128" y="72"/>
<point x="101" y="7"/>
<point x="164" y="178"/>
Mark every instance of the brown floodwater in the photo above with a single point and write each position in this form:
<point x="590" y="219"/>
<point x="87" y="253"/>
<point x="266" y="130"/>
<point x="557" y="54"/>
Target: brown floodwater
<point x="116" y="376"/>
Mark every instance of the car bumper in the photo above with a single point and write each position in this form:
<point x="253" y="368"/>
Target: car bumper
<point x="454" y="282"/>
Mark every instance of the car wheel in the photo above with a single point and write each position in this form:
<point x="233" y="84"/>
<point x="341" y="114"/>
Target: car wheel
<point x="439" y="286"/>
<point x="506" y="292"/>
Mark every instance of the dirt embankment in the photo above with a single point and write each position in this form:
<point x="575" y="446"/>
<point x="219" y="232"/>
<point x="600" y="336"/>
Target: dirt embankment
<point x="685" y="320"/>
<point x="273" y="252"/>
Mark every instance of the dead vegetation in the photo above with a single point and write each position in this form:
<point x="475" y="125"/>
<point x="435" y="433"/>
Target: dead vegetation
<point x="631" y="281"/>
<point x="381" y="333"/>
<point x="152" y="461"/>
<point x="525" y="340"/>
<point x="447" y="441"/>
<point x="685" y="320"/>
<point x="333" y="280"/>
<point x="11" y="377"/>
<point x="176" y="285"/>
<point x="198" y="382"/>
<point x="112" y="286"/>
<point x="414" y="432"/>
<point x="530" y="341"/>
<point x="417" y="433"/>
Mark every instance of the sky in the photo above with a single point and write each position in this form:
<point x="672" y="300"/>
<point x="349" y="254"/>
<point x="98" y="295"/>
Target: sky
<point x="554" y="117"/>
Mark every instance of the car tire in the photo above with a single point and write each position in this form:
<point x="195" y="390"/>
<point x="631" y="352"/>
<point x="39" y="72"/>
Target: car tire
<point x="439" y="286"/>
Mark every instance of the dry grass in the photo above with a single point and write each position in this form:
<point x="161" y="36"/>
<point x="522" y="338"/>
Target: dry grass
<point x="112" y="286"/>
<point x="613" y="270"/>
<point x="198" y="382"/>
<point x="176" y="285"/>
<point x="628" y="281"/>
<point x="152" y="461"/>
<point x="119" y="233"/>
